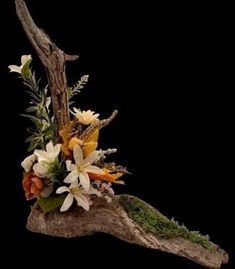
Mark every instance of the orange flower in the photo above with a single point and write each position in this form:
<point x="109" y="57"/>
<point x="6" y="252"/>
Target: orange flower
<point x="107" y="177"/>
<point x="32" y="186"/>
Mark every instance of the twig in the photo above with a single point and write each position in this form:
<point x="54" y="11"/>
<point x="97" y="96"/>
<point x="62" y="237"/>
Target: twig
<point x="97" y="125"/>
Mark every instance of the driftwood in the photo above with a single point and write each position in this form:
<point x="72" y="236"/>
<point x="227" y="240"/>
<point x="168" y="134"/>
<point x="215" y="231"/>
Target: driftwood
<point x="53" y="59"/>
<point x="112" y="219"/>
<point x="102" y="217"/>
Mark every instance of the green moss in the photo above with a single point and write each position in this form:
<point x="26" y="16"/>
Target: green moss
<point x="152" y="221"/>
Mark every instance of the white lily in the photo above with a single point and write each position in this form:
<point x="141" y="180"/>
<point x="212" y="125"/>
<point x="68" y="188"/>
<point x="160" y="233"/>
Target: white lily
<point x="28" y="162"/>
<point x="75" y="191"/>
<point x="50" y="154"/>
<point x="18" y="69"/>
<point x="82" y="167"/>
<point x="85" y="117"/>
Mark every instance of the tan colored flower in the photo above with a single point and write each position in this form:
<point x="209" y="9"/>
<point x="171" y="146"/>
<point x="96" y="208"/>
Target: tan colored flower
<point x="85" y="117"/>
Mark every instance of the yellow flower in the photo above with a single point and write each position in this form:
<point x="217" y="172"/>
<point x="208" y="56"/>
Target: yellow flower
<point x="88" y="146"/>
<point x="85" y="117"/>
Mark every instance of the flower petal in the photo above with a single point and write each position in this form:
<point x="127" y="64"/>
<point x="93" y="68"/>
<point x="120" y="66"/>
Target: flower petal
<point x="74" y="184"/>
<point x="25" y="59"/>
<point x="71" y="177"/>
<point x="94" y="169"/>
<point x="28" y="162"/>
<point x="56" y="150"/>
<point x="67" y="203"/>
<point x="84" y="180"/>
<point x="15" y="68"/>
<point x="75" y="111"/>
<point x="70" y="166"/>
<point x="77" y="154"/>
<point x="49" y="147"/>
<point x="42" y="155"/>
<point x="38" y="182"/>
<point x="40" y="170"/>
<point x="62" y="189"/>
<point x="91" y="158"/>
<point x="82" y="201"/>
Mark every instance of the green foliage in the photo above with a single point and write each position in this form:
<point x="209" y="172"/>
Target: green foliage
<point x="152" y="221"/>
<point x="76" y="89"/>
<point x="51" y="203"/>
<point x="43" y="129"/>
<point x="57" y="171"/>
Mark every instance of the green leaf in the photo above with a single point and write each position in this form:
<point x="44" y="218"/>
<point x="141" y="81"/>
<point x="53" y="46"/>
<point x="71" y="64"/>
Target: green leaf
<point x="49" y="130"/>
<point x="34" y="119"/>
<point x="51" y="203"/>
<point x="35" y="143"/>
<point x="29" y="139"/>
<point x="26" y="72"/>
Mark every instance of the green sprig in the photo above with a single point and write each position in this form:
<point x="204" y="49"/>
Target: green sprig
<point x="152" y="221"/>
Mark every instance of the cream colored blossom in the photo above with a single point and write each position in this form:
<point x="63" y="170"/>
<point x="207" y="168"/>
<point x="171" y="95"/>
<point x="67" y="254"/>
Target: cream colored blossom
<point x="85" y="117"/>
<point x="45" y="158"/>
<point x="82" y="167"/>
<point x="18" y="69"/>
<point x="49" y="155"/>
<point x="75" y="191"/>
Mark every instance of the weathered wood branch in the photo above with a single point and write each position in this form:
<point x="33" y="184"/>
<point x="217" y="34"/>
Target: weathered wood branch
<point x="113" y="219"/>
<point x="53" y="59"/>
<point x="97" y="125"/>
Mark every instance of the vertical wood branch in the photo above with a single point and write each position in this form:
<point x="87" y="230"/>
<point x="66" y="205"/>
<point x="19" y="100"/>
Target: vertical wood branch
<point x="54" y="60"/>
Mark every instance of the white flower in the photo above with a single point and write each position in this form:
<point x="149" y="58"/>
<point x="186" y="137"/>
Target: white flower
<point x="82" y="167"/>
<point x="85" y="117"/>
<point x="50" y="154"/>
<point x="41" y="169"/>
<point x="28" y="162"/>
<point x="45" y="158"/>
<point x="18" y="69"/>
<point x="76" y="192"/>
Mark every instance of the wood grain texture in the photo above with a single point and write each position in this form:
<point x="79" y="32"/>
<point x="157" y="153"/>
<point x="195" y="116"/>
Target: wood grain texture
<point x="113" y="219"/>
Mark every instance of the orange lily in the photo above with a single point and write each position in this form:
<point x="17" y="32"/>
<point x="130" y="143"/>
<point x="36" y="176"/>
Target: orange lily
<point x="107" y="176"/>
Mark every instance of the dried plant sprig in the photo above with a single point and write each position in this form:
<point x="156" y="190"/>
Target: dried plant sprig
<point x="76" y="89"/>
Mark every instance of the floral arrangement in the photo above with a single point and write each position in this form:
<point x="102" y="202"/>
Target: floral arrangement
<point x="64" y="167"/>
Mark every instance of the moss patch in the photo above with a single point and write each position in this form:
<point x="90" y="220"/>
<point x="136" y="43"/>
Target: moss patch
<point x="152" y="221"/>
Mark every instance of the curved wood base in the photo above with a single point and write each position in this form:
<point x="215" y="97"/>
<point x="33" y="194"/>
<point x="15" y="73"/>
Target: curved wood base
<point x="112" y="219"/>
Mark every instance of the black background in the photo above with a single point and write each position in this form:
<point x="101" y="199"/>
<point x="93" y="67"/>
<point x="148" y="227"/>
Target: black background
<point x="166" y="70"/>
